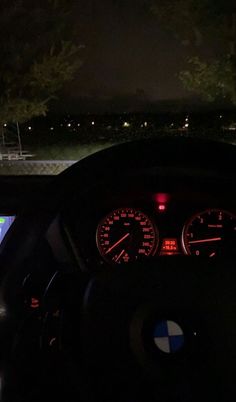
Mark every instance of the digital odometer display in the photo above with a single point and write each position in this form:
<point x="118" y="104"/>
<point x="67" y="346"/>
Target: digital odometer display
<point x="126" y="235"/>
<point x="210" y="233"/>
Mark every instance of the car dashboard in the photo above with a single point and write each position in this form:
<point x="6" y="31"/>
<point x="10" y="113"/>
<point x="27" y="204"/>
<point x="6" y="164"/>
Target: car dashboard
<point x="99" y="230"/>
<point x="140" y="216"/>
<point x="148" y="215"/>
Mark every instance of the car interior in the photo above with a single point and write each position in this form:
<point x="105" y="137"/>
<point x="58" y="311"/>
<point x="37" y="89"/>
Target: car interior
<point x="118" y="277"/>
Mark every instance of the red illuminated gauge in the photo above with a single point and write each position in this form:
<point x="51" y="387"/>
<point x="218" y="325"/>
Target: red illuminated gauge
<point x="125" y="235"/>
<point x="210" y="233"/>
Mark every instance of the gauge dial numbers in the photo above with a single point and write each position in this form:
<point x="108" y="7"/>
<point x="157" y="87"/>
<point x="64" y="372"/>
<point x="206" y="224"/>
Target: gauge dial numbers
<point x="126" y="235"/>
<point x="210" y="233"/>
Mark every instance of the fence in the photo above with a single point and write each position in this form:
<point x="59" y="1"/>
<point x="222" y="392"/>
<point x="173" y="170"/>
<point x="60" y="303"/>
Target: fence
<point x="20" y="168"/>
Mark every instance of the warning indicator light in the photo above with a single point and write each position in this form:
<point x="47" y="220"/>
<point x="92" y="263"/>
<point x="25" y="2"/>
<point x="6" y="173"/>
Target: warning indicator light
<point x="161" y="200"/>
<point x="34" y="302"/>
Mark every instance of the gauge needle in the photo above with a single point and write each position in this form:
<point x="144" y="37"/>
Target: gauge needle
<point x="117" y="243"/>
<point x="120" y="255"/>
<point x="205" y="240"/>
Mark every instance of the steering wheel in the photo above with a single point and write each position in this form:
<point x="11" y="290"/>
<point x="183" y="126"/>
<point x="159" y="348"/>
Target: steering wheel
<point x="155" y="330"/>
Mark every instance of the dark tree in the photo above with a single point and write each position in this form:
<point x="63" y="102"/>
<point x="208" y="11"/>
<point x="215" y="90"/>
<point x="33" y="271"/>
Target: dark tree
<point x="39" y="55"/>
<point x="196" y="23"/>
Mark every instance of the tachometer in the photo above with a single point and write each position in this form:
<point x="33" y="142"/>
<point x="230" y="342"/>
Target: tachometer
<point x="210" y="233"/>
<point x="125" y="235"/>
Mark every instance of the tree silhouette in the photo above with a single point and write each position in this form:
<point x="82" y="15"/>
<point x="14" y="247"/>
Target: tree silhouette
<point x="39" y="55"/>
<point x="195" y="24"/>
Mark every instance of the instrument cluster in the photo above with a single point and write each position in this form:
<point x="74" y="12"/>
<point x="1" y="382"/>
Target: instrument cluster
<point x="122" y="229"/>
<point x="127" y="234"/>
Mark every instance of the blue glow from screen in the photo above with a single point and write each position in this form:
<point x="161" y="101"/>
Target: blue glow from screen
<point x="5" y="223"/>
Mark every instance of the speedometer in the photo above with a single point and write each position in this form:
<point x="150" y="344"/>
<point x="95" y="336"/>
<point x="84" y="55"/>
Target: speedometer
<point x="126" y="235"/>
<point x="210" y="233"/>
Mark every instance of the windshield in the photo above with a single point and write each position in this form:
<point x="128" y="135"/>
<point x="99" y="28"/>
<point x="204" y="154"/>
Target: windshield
<point x="80" y="76"/>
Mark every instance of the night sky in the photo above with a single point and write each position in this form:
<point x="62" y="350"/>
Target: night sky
<point x="126" y="52"/>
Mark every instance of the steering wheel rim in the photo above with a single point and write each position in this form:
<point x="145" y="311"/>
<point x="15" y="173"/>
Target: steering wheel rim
<point x="28" y="228"/>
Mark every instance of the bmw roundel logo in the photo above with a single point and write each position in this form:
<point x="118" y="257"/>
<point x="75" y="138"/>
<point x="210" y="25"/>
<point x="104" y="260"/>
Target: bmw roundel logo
<point x="168" y="336"/>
